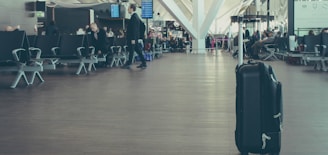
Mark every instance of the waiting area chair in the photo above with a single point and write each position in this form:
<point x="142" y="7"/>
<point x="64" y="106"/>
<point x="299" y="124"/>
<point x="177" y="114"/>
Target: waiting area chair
<point x="119" y="58"/>
<point x="15" y="57"/>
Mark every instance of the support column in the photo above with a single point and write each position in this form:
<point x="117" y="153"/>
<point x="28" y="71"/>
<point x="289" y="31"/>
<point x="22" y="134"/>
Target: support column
<point x="198" y="13"/>
<point x="268" y="15"/>
<point x="230" y="46"/>
<point x="210" y="17"/>
<point x="199" y="24"/>
<point x="198" y="43"/>
<point x="290" y="26"/>
<point x="258" y="20"/>
<point x="240" y="42"/>
<point x="176" y="12"/>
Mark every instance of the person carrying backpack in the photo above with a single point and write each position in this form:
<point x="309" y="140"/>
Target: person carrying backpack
<point x="142" y="35"/>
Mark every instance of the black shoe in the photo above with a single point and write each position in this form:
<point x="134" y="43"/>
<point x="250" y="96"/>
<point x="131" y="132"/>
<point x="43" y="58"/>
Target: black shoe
<point x="142" y="66"/>
<point x="125" y="67"/>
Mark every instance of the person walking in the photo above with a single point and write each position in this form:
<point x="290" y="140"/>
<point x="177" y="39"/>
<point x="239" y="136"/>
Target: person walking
<point x="132" y="36"/>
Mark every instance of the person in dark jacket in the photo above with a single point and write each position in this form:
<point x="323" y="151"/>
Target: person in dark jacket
<point x="52" y="29"/>
<point x="142" y="35"/>
<point x="256" y="47"/>
<point x="132" y="36"/>
<point x="98" y="37"/>
<point x="208" y="42"/>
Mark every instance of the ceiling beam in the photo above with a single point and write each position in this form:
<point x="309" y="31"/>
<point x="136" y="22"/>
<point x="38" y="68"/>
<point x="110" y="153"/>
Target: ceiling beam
<point x="176" y="12"/>
<point x="210" y="17"/>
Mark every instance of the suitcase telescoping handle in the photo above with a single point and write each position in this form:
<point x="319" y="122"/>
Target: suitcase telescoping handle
<point x="240" y="41"/>
<point x="278" y="112"/>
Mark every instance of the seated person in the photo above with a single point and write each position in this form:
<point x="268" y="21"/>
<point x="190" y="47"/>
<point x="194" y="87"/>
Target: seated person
<point x="173" y="44"/>
<point x="268" y="37"/>
<point x="311" y="33"/>
<point x="99" y="40"/>
<point x="52" y="29"/>
<point x="181" y="44"/>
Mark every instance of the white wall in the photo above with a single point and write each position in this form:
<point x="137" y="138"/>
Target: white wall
<point x="311" y="14"/>
<point x="12" y="12"/>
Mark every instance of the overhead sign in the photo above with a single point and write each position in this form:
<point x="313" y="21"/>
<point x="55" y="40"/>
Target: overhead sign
<point x="147" y="8"/>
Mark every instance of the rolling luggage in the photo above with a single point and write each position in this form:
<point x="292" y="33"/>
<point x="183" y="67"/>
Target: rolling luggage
<point x="258" y="109"/>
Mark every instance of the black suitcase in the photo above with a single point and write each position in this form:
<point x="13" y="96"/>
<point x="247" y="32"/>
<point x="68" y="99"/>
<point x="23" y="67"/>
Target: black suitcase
<point x="258" y="109"/>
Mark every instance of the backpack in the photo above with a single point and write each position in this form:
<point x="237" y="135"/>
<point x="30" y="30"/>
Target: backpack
<point x="142" y="30"/>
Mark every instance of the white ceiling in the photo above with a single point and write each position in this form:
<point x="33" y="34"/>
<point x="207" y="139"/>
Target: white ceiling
<point x="185" y="5"/>
<point x="229" y="8"/>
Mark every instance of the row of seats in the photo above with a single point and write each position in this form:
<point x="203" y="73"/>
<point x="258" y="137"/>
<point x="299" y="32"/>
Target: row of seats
<point x="312" y="50"/>
<point x="21" y="53"/>
<point x="270" y="51"/>
<point x="73" y="49"/>
<point x="276" y="49"/>
<point x="15" y="57"/>
<point x="149" y="49"/>
<point x="315" y="50"/>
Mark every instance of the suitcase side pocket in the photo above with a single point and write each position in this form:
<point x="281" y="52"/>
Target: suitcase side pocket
<point x="277" y="101"/>
<point x="271" y="142"/>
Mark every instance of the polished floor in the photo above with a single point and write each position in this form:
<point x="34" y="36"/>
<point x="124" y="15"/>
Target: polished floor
<point x="180" y="105"/>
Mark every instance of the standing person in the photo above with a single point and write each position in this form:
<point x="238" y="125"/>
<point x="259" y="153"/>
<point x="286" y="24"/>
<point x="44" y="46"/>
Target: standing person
<point x="142" y="35"/>
<point x="208" y="42"/>
<point x="110" y="36"/>
<point x="247" y="35"/>
<point x="132" y="36"/>
<point x="52" y="29"/>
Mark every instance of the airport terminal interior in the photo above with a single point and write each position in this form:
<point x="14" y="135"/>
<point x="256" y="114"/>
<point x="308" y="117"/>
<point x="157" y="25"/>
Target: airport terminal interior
<point x="182" y="103"/>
